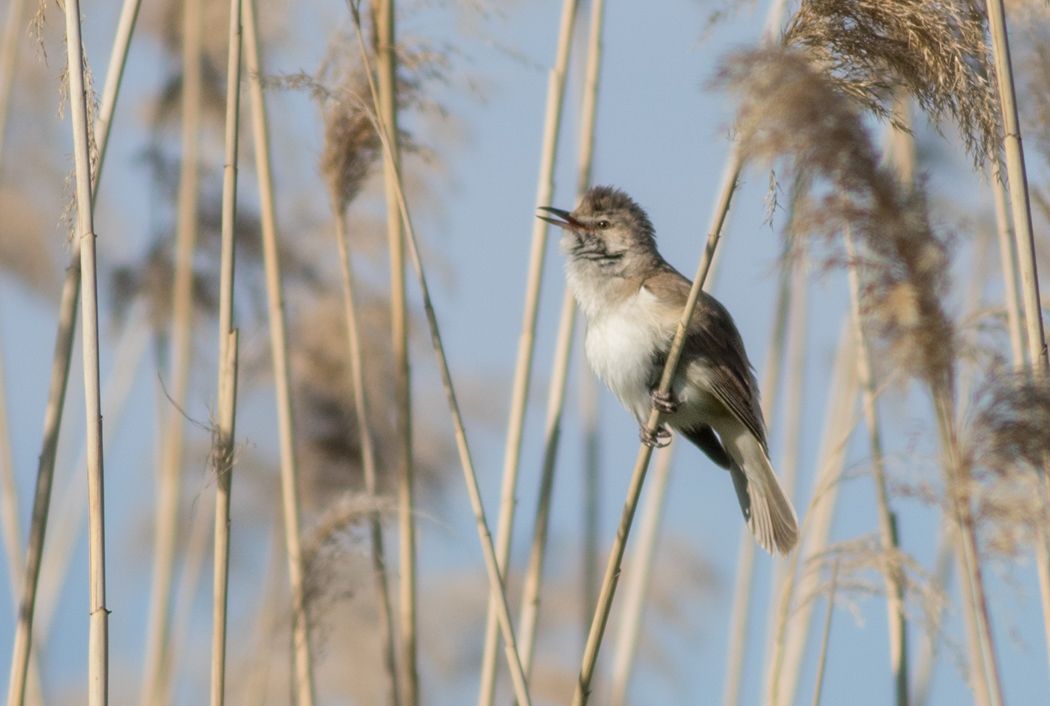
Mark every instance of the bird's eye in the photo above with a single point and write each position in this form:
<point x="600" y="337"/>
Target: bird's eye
<point x="603" y="224"/>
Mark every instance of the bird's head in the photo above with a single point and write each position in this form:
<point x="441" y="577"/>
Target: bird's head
<point x="608" y="230"/>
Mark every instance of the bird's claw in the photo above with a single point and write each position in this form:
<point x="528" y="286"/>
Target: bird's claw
<point x="664" y="401"/>
<point x="656" y="439"/>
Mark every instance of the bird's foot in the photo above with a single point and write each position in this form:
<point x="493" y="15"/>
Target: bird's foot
<point x="665" y="402"/>
<point x="655" y="439"/>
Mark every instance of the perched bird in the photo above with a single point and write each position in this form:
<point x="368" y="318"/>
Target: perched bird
<point x="633" y="300"/>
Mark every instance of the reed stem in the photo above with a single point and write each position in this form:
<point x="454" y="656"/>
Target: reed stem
<point x="368" y="463"/>
<point x="526" y="340"/>
<point x="304" y="678"/>
<point x="169" y="472"/>
<point x="228" y="352"/>
<point x="386" y="110"/>
<point x="521" y="691"/>
<point x="98" y="639"/>
<point x="896" y="620"/>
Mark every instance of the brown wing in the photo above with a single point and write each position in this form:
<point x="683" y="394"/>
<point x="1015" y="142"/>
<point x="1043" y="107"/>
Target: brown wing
<point x="713" y="340"/>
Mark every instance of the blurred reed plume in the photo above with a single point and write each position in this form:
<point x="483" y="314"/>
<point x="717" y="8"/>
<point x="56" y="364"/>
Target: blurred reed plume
<point x="788" y="110"/>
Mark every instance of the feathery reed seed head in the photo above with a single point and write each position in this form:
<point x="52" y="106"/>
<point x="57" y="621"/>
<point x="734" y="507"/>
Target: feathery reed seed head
<point x="934" y="49"/>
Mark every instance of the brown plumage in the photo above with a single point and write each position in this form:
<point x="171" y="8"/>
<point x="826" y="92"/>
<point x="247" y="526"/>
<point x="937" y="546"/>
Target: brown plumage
<point x="633" y="300"/>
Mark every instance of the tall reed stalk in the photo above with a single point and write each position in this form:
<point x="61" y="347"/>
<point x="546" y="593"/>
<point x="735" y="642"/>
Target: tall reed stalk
<point x="386" y="110"/>
<point x="98" y="639"/>
<point x="527" y="338"/>
<point x="71" y="292"/>
<point x="169" y="473"/>
<point x="521" y="691"/>
<point x="368" y="463"/>
<point x="1024" y="238"/>
<point x="822" y="661"/>
<point x="63" y="356"/>
<point x="638" y="578"/>
<point x="740" y="613"/>
<point x="1019" y="201"/>
<point x="788" y="642"/>
<point x="304" y="678"/>
<point x="896" y="620"/>
<point x="562" y="355"/>
<point x="223" y="450"/>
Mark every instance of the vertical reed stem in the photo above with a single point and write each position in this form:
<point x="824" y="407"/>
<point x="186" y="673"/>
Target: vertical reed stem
<point x="169" y="473"/>
<point x="562" y="356"/>
<point x="228" y="352"/>
<point x="640" y="569"/>
<point x="526" y="341"/>
<point x="60" y="367"/>
<point x="98" y="640"/>
<point x="279" y="345"/>
<point x="894" y="581"/>
<point x="386" y="61"/>
<point x="368" y="463"/>
<point x="1019" y="203"/>
<point x="741" y="610"/>
<point x="822" y="661"/>
<point x="521" y="691"/>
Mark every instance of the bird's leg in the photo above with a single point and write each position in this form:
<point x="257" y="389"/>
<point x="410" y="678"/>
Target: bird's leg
<point x="664" y="401"/>
<point x="656" y="439"/>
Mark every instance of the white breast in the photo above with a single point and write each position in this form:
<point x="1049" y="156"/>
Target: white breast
<point x="621" y="341"/>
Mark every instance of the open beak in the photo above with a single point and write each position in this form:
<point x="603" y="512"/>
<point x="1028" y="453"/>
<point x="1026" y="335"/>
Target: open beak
<point x="567" y="221"/>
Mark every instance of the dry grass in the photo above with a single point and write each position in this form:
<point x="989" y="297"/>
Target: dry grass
<point x="933" y="49"/>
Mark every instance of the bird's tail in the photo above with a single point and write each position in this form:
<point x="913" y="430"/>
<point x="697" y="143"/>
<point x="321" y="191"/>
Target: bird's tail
<point x="767" y="509"/>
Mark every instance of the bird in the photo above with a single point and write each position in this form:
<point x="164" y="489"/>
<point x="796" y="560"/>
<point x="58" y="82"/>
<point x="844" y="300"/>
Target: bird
<point x="633" y="299"/>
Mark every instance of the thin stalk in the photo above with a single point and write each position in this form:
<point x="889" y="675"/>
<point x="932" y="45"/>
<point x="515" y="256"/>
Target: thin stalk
<point x="98" y="638"/>
<point x="640" y="569"/>
<point x="386" y="110"/>
<point x="228" y="344"/>
<point x="788" y="643"/>
<point x="982" y="647"/>
<point x="641" y="562"/>
<point x="1008" y="261"/>
<point x="740" y="614"/>
<point x="795" y="368"/>
<point x="279" y="346"/>
<point x="527" y="338"/>
<point x="895" y="618"/>
<point x="169" y="472"/>
<point x="1024" y="237"/>
<point x="521" y="692"/>
<point x="368" y="463"/>
<point x="928" y="653"/>
<point x="562" y="356"/>
<point x="794" y="373"/>
<point x="129" y="351"/>
<point x="223" y="453"/>
<point x="63" y="343"/>
<point x="1019" y="201"/>
<point x="612" y="571"/>
<point x="10" y="523"/>
<point x="530" y="597"/>
<point x="822" y="661"/>
<point x="63" y="355"/>
<point x="590" y="421"/>
<point x="1017" y="348"/>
